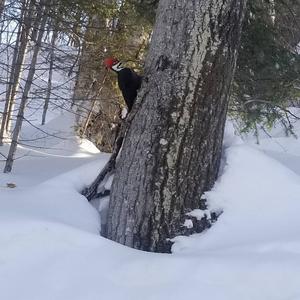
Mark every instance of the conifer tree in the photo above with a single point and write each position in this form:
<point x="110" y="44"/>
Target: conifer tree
<point x="268" y="67"/>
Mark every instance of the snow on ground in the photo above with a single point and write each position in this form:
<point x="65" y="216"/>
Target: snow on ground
<point x="50" y="248"/>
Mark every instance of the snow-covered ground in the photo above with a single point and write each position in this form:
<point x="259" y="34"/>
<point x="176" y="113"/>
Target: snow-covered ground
<point x="50" y="248"/>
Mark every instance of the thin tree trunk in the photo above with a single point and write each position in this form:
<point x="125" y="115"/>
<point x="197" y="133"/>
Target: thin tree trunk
<point x="11" y="76"/>
<point x="37" y="35"/>
<point x="21" y="58"/>
<point x="2" y="4"/>
<point x="79" y="58"/>
<point x="88" y="118"/>
<point x="172" y="151"/>
<point x="17" y="65"/>
<point x="49" y="86"/>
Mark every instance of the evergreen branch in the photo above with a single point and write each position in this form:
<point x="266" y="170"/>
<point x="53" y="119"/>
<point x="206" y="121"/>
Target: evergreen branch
<point x="272" y="104"/>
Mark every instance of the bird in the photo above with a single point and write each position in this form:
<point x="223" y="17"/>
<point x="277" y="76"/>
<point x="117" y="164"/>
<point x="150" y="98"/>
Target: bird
<point x="129" y="81"/>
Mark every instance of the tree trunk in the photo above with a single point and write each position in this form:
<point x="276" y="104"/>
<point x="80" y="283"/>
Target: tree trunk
<point x="49" y="85"/>
<point x="37" y="36"/>
<point x="171" y="154"/>
<point x="17" y="65"/>
<point x="93" y="104"/>
<point x="2" y="4"/>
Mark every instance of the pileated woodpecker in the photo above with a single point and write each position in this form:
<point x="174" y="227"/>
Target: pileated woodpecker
<point x="129" y="82"/>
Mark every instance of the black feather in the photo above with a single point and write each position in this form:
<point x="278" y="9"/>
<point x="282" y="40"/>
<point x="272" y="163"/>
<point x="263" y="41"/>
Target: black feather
<point x="129" y="83"/>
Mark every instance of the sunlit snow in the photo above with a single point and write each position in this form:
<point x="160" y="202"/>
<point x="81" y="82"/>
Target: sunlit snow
<point x="50" y="247"/>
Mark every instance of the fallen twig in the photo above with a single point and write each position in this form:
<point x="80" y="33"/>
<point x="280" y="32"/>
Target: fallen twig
<point x="109" y="168"/>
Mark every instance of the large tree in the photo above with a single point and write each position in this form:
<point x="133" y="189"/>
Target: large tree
<point x="172" y="151"/>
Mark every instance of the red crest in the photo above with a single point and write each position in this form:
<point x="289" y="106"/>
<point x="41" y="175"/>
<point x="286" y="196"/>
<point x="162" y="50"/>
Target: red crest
<point x="109" y="62"/>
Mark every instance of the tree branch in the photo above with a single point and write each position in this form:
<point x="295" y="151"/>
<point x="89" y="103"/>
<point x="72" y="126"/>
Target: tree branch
<point x="109" y="168"/>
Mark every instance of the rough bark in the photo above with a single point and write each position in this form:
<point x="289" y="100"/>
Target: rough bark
<point x="171" y="154"/>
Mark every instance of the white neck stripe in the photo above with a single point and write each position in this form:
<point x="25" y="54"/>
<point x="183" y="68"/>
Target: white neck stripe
<point x="118" y="67"/>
